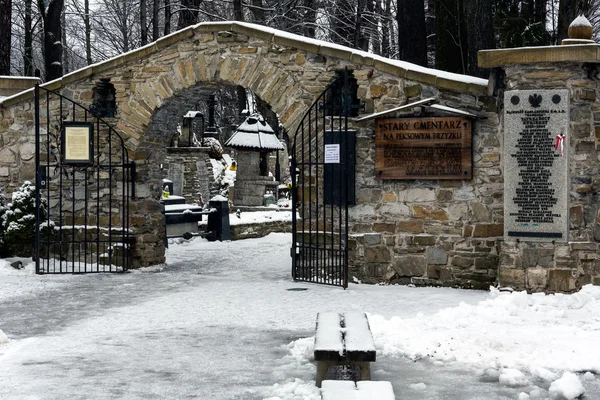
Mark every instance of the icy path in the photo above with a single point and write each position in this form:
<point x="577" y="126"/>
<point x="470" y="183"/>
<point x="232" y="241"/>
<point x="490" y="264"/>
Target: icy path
<point x="215" y="324"/>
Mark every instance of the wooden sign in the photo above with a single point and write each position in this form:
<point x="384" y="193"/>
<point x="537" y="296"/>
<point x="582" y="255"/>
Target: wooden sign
<point x="423" y="148"/>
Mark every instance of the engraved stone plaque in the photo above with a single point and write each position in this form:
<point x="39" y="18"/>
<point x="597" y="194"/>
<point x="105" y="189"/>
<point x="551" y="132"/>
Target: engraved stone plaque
<point x="536" y="165"/>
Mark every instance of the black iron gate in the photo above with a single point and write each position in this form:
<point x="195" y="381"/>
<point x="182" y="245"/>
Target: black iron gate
<point x="322" y="187"/>
<point x="84" y="182"/>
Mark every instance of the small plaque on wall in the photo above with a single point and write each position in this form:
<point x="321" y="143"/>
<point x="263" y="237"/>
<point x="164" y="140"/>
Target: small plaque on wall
<point x="78" y="143"/>
<point x="423" y="148"/>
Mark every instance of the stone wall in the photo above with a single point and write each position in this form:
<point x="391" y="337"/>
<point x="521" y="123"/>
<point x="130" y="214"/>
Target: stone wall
<point x="430" y="232"/>
<point x="197" y="172"/>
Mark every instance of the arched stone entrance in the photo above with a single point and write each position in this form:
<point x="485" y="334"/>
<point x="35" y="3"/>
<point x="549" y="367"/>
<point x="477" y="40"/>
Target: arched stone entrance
<point x="287" y="71"/>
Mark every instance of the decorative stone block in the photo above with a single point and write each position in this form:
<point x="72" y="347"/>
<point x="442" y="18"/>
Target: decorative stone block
<point x="511" y="277"/>
<point x="379" y="254"/>
<point x="410" y="265"/>
<point x="562" y="280"/>
<point x="371" y="239"/>
<point x="436" y="256"/>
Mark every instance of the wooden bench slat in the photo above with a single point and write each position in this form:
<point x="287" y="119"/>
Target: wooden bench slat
<point x="359" y="340"/>
<point x="329" y="344"/>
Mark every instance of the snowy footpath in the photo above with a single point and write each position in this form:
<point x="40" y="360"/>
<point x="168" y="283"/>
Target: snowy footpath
<point x="219" y="322"/>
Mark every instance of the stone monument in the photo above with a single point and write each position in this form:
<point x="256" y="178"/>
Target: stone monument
<point x="253" y="140"/>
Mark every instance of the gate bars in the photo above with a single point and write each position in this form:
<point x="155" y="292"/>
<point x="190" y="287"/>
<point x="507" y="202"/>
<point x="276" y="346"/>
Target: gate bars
<point x="85" y="226"/>
<point x="320" y="189"/>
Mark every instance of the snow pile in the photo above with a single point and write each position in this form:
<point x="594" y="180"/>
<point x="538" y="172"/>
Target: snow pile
<point x="3" y="338"/>
<point x="7" y="269"/>
<point x="509" y="336"/>
<point x="217" y="167"/>
<point x="512" y="377"/>
<point x="567" y="387"/>
<point x="297" y="390"/>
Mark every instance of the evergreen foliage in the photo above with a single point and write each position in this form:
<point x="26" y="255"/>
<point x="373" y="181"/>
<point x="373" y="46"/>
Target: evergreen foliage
<point x="17" y="222"/>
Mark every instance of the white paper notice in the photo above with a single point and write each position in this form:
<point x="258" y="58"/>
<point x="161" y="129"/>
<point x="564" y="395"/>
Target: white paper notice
<point x="332" y="153"/>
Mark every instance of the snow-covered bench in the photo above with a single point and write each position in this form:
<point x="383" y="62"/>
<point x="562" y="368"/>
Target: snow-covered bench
<point x="343" y="339"/>
<point x="364" y="390"/>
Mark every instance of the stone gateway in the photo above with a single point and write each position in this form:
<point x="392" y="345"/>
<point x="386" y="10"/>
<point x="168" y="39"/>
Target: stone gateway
<point x="534" y="144"/>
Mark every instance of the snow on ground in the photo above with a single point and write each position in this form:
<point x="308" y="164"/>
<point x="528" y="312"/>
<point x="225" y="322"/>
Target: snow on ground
<point x="260" y="217"/>
<point x="219" y="322"/>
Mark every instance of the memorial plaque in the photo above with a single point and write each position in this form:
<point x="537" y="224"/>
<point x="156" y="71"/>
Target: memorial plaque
<point x="536" y="165"/>
<point x="423" y="148"/>
<point x="77" y="143"/>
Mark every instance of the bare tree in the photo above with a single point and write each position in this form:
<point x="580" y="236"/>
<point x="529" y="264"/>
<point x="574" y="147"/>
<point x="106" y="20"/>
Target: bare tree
<point x="155" y="20"/>
<point x="50" y="11"/>
<point x="480" y="35"/>
<point x="167" y="10"/>
<point x="5" y="36"/>
<point x="143" y="22"/>
<point x="188" y="13"/>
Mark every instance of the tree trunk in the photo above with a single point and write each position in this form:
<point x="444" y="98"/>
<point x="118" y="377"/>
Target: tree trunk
<point x="412" y="38"/>
<point x="155" y="21"/>
<point x="65" y="55"/>
<point x="480" y="36"/>
<point x="51" y="15"/>
<point x="167" y="17"/>
<point x="430" y="31"/>
<point x="451" y="46"/>
<point x="257" y="11"/>
<point x="5" y="35"/>
<point x="88" y="32"/>
<point x="28" y="40"/>
<point x="188" y="14"/>
<point x="238" y="13"/>
<point x="358" y="26"/>
<point x="310" y="18"/>
<point x="143" y="22"/>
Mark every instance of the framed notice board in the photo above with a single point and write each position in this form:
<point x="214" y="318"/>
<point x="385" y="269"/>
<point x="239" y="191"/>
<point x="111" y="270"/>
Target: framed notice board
<point x="423" y="148"/>
<point x="77" y="143"/>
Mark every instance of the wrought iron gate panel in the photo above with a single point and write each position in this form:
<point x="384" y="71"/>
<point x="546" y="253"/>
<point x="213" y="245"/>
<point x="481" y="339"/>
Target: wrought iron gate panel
<point x="320" y="190"/>
<point x="82" y="208"/>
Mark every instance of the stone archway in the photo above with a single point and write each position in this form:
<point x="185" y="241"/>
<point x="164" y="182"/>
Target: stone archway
<point x="287" y="71"/>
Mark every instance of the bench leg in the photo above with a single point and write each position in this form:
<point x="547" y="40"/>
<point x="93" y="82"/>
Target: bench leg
<point x="365" y="371"/>
<point x="322" y="369"/>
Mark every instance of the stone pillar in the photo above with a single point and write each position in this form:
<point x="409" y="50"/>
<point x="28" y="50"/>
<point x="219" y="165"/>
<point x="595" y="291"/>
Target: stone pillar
<point x="553" y="264"/>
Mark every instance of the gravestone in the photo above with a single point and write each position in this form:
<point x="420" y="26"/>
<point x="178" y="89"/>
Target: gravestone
<point x="175" y="175"/>
<point x="536" y="165"/>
